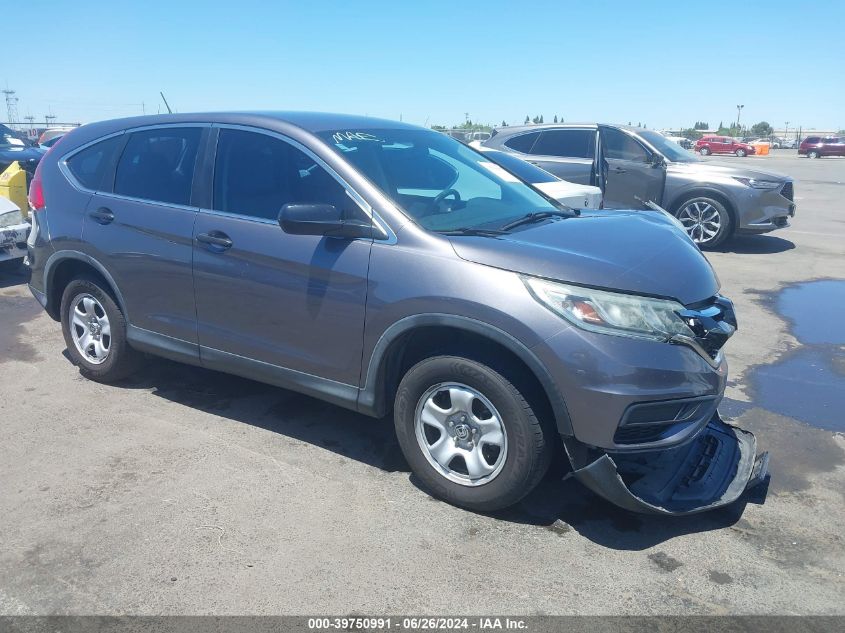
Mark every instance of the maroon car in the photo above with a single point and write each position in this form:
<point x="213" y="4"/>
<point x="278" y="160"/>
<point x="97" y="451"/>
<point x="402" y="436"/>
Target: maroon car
<point x="722" y="145"/>
<point x="818" y="146"/>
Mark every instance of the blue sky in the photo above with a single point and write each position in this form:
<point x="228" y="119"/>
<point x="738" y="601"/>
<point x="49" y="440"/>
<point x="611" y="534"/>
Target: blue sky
<point x="664" y="64"/>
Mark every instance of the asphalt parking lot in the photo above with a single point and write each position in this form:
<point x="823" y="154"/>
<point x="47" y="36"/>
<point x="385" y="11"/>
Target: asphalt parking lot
<point x="190" y="492"/>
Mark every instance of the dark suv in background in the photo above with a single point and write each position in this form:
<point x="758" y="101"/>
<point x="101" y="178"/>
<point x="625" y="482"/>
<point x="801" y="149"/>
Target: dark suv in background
<point x="818" y="146"/>
<point x="634" y="165"/>
<point x="388" y="268"/>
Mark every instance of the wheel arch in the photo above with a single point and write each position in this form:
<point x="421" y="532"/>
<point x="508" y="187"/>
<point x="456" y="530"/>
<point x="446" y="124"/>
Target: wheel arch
<point x="697" y="192"/>
<point x="421" y="336"/>
<point x="64" y="266"/>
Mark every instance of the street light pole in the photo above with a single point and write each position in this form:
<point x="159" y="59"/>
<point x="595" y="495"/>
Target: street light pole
<point x="738" y="112"/>
<point x="786" y="129"/>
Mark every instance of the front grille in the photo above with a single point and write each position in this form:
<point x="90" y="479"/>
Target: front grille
<point x="713" y="324"/>
<point x="786" y="191"/>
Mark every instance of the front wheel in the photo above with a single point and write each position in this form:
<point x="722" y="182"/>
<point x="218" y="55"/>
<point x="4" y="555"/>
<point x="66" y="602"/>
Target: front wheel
<point x="704" y="151"/>
<point x="740" y="152"/>
<point x="469" y="434"/>
<point x="705" y="220"/>
<point x="95" y="332"/>
<point x="812" y="154"/>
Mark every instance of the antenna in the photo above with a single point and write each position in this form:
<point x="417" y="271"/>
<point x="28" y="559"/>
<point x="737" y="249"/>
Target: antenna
<point x="169" y="111"/>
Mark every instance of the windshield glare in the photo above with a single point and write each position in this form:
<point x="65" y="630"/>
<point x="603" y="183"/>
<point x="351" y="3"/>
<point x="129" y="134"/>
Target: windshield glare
<point x="440" y="183"/>
<point x="669" y="149"/>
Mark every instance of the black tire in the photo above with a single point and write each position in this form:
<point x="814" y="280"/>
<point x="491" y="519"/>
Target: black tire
<point x="741" y="153"/>
<point x="529" y="444"/>
<point x="726" y="222"/>
<point x="704" y="151"/>
<point x="122" y="360"/>
<point x="812" y="154"/>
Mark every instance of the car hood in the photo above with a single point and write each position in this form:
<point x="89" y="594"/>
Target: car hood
<point x="708" y="168"/>
<point x="639" y="252"/>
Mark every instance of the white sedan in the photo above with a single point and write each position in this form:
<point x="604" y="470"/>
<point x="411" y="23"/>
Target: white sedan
<point x="569" y="193"/>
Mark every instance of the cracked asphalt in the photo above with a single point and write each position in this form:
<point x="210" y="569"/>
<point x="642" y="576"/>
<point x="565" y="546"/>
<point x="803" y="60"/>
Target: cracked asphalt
<point x="184" y="491"/>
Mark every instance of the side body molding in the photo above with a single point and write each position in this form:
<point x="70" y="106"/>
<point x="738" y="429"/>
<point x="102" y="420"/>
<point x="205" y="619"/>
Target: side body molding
<point x="372" y="400"/>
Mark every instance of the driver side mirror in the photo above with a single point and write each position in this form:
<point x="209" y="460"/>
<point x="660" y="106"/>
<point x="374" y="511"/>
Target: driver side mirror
<point x="657" y="160"/>
<point x="321" y="219"/>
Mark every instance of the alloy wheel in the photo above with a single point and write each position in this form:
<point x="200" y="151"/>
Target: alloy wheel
<point x="701" y="221"/>
<point x="461" y="434"/>
<point x="90" y="328"/>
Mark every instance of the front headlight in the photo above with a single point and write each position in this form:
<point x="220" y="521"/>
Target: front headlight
<point x="754" y="183"/>
<point x="611" y="312"/>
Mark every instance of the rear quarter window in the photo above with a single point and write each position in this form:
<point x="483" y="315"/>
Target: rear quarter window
<point x="90" y="166"/>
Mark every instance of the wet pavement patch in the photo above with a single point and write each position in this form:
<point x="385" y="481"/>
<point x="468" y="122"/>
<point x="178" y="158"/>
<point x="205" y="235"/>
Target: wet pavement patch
<point x="815" y="309"/>
<point x="664" y="561"/>
<point x="808" y="384"/>
<point x="720" y="578"/>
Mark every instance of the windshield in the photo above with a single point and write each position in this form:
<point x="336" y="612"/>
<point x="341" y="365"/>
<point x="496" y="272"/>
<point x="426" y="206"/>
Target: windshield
<point x="440" y="183"/>
<point x="669" y="149"/>
<point x="520" y="168"/>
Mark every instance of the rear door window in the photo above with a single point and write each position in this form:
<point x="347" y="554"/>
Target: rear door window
<point x="158" y="165"/>
<point x="523" y="143"/>
<point x="92" y="164"/>
<point x="566" y="143"/>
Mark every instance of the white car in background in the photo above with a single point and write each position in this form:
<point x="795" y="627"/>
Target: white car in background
<point x="569" y="193"/>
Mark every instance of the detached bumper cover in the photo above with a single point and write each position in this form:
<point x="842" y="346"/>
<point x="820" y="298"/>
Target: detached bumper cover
<point x="711" y="471"/>
<point x="13" y="241"/>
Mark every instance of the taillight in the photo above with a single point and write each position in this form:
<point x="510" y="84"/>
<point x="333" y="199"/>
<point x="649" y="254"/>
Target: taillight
<point x="36" y="186"/>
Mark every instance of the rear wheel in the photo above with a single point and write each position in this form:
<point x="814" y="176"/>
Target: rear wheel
<point x="469" y="434"/>
<point x="705" y="220"/>
<point x="704" y="151"/>
<point x="95" y="332"/>
<point x="812" y="154"/>
<point x="740" y="152"/>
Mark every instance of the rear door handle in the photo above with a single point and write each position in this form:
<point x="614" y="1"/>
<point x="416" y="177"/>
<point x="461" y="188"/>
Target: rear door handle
<point x="215" y="238"/>
<point x="103" y="215"/>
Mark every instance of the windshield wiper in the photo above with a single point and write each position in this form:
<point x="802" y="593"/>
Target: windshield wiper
<point x="468" y="230"/>
<point x="535" y="216"/>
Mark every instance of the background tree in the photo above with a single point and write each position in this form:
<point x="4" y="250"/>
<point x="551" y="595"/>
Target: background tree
<point x="527" y="120"/>
<point x="761" y="129"/>
<point x="504" y="123"/>
<point x="701" y="125"/>
<point x="555" y="120"/>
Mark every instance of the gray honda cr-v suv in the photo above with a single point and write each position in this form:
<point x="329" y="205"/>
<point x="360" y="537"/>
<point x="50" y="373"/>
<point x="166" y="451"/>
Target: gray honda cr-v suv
<point x="390" y="269"/>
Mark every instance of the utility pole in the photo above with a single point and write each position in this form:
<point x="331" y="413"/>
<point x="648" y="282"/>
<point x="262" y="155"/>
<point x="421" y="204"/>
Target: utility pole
<point x="785" y="128"/>
<point x="738" y="112"/>
<point x="48" y="118"/>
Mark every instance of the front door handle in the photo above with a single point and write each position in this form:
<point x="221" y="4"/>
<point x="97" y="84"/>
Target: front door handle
<point x="215" y="238"/>
<point x="102" y="215"/>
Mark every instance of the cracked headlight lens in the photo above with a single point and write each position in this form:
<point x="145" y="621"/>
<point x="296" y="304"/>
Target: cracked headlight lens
<point x="611" y="312"/>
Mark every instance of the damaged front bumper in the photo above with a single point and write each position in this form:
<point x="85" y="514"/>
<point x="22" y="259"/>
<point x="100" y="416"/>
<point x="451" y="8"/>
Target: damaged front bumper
<point x="711" y="471"/>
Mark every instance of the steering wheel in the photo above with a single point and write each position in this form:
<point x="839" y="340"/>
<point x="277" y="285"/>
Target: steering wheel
<point x="440" y="197"/>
